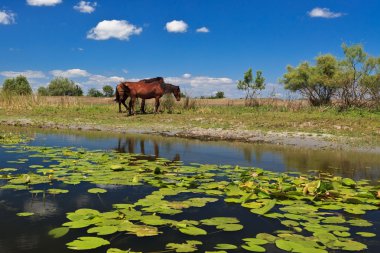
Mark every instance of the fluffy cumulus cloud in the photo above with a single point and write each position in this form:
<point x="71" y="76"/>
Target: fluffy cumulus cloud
<point x="197" y="86"/>
<point x="85" y="7"/>
<point x="117" y="29"/>
<point x="100" y="80"/>
<point x="70" y="73"/>
<point x="27" y="73"/>
<point x="324" y="13"/>
<point x="203" y="30"/>
<point x="43" y="2"/>
<point x="7" y="17"/>
<point x="176" y="26"/>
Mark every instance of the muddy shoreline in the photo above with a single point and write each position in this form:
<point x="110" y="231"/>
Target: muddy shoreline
<point x="295" y="139"/>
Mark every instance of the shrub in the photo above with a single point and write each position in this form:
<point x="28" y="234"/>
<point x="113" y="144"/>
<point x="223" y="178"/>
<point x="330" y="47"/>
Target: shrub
<point x="108" y="91"/>
<point x="316" y="83"/>
<point x="61" y="86"/>
<point x="17" y="86"/>
<point x="94" y="93"/>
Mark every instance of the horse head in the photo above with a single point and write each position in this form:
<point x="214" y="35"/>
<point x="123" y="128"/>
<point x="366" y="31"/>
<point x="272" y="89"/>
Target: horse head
<point x="176" y="92"/>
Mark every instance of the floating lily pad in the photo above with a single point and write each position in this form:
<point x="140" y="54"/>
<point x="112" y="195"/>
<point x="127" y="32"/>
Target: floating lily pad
<point x="97" y="190"/>
<point x="59" y="232"/>
<point x="87" y="243"/>
<point x="25" y="214"/>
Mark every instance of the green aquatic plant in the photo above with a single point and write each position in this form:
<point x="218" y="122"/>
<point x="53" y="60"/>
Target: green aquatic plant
<point x="316" y="212"/>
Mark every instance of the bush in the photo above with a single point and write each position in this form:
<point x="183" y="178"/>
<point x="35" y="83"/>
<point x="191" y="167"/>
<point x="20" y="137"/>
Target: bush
<point x="17" y="86"/>
<point x="43" y="91"/>
<point x="316" y="83"/>
<point x="168" y="103"/>
<point x="94" y="93"/>
<point x="108" y="91"/>
<point x="359" y="79"/>
<point x="61" y="86"/>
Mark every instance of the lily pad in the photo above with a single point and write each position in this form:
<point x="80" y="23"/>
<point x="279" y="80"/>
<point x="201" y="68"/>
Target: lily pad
<point x="87" y="243"/>
<point x="97" y="190"/>
<point x="58" y="232"/>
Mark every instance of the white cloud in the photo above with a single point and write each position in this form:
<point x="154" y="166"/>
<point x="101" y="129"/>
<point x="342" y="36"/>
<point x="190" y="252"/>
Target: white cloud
<point x="70" y="73"/>
<point x="26" y="73"/>
<point x="204" y="86"/>
<point x="99" y="80"/>
<point x="85" y="7"/>
<point x="43" y="2"/>
<point x="324" y="13"/>
<point x="203" y="30"/>
<point x="176" y="26"/>
<point x="7" y="17"/>
<point x="118" y="29"/>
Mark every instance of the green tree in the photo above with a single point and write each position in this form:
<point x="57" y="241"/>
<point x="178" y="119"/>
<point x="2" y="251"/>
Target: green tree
<point x="43" y="91"/>
<point x="61" y="86"/>
<point x="94" y="93"/>
<point x="18" y="85"/>
<point x="219" y="94"/>
<point x="359" y="76"/>
<point x="316" y="83"/>
<point x="251" y="85"/>
<point x="108" y="91"/>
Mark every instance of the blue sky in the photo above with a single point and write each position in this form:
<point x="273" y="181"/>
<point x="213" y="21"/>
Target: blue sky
<point x="204" y="46"/>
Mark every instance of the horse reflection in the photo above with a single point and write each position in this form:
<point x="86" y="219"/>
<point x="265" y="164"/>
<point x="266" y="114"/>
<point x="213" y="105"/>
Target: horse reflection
<point x="141" y="146"/>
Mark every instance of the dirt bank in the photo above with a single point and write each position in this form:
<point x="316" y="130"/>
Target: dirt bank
<point x="298" y="139"/>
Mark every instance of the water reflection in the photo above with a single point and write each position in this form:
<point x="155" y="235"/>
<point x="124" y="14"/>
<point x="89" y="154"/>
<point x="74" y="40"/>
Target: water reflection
<point x="144" y="147"/>
<point x="40" y="207"/>
<point x="357" y="165"/>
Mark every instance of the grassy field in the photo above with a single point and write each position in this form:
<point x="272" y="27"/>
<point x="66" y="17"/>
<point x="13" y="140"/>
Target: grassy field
<point x="228" y="114"/>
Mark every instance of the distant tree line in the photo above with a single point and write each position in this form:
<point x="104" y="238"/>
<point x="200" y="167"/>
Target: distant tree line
<point x="218" y="95"/>
<point x="59" y="86"/>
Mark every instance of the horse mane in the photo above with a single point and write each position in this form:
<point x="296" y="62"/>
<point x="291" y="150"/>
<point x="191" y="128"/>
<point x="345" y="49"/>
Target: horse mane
<point x="151" y="80"/>
<point x="168" y="87"/>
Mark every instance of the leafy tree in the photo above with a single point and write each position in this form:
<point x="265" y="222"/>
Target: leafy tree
<point x="316" y="83"/>
<point x="94" y="93"/>
<point x="43" y="91"/>
<point x="61" y="86"/>
<point x="219" y="94"/>
<point x="358" y="81"/>
<point x="108" y="91"/>
<point x="18" y="85"/>
<point x="251" y="85"/>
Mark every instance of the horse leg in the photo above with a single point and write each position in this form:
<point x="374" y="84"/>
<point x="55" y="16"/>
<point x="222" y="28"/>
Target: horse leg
<point x="143" y="106"/>
<point x="123" y="102"/>
<point x="120" y="107"/>
<point x="157" y="105"/>
<point x="132" y="106"/>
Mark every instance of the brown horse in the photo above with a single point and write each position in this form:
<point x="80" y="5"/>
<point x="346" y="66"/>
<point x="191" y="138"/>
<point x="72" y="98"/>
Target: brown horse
<point x="147" y="89"/>
<point x="122" y="92"/>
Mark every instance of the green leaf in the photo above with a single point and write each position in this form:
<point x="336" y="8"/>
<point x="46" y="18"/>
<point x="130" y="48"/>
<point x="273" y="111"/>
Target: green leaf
<point x="225" y="246"/>
<point x="25" y="214"/>
<point x="253" y="248"/>
<point x="266" y="208"/>
<point x="103" y="230"/>
<point x="191" y="230"/>
<point x="87" y="243"/>
<point x="366" y="234"/>
<point x="58" y="232"/>
<point x="97" y="190"/>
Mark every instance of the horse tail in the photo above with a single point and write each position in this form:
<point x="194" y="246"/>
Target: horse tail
<point x="117" y="95"/>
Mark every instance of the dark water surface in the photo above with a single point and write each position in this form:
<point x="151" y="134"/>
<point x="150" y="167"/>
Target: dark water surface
<point x="29" y="234"/>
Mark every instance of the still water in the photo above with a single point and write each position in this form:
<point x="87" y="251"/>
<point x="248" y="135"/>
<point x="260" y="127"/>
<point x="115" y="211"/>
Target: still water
<point x="30" y="234"/>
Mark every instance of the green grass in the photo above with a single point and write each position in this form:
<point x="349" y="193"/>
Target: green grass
<point x="360" y="123"/>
